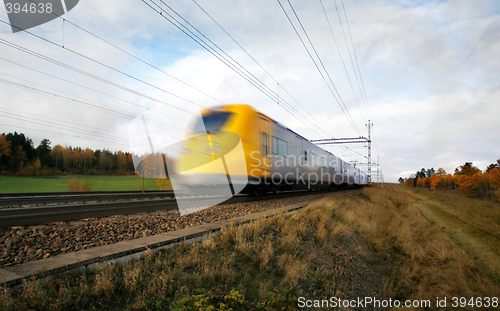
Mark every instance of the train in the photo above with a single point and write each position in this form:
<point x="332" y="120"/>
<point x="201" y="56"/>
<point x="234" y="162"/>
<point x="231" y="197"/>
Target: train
<point x="237" y="145"/>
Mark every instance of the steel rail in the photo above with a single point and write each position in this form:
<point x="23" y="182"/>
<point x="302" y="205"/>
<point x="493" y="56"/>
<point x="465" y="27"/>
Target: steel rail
<point x="14" y="217"/>
<point x="14" y="199"/>
<point x="54" y="193"/>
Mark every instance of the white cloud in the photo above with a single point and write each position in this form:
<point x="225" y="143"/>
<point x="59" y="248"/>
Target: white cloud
<point x="430" y="71"/>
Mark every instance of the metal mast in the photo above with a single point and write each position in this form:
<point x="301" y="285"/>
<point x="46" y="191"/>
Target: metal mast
<point x="369" y="152"/>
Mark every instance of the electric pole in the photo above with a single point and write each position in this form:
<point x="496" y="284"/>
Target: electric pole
<point x="369" y="152"/>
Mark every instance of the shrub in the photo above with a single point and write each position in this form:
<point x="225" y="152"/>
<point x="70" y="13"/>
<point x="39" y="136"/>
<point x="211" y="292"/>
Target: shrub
<point x="84" y="186"/>
<point x="473" y="185"/>
<point x="73" y="185"/>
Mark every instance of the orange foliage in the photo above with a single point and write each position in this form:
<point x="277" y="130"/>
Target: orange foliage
<point x="473" y="185"/>
<point x="410" y="182"/>
<point x="73" y="185"/>
<point x="84" y="186"/>
<point x="419" y="182"/>
<point x="494" y="178"/>
<point x="4" y="146"/>
<point x="426" y="182"/>
<point x="438" y="182"/>
<point x="163" y="184"/>
<point x="441" y="172"/>
<point x="451" y="182"/>
<point x="467" y="178"/>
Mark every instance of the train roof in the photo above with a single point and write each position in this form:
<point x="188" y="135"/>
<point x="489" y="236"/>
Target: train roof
<point x="276" y="122"/>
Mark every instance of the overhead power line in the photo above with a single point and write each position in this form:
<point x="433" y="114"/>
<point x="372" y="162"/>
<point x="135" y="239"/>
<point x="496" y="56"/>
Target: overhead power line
<point x="97" y="62"/>
<point x="338" y="100"/>
<point x="82" y="72"/>
<point x="356" y="72"/>
<point x="316" y="124"/>
<point x="219" y="53"/>
<point x="341" y="58"/>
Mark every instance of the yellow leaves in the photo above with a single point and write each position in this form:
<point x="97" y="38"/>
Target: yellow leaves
<point x="74" y="185"/>
<point x="4" y="146"/>
<point x="163" y="184"/>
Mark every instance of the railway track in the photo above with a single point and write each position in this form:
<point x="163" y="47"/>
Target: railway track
<point x="24" y="216"/>
<point x="16" y="199"/>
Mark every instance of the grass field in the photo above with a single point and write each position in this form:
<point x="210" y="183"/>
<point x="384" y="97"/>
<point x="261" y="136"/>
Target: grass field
<point x="60" y="183"/>
<point x="387" y="242"/>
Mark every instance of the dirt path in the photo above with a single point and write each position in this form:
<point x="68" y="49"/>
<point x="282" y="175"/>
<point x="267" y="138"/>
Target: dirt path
<point x="466" y="230"/>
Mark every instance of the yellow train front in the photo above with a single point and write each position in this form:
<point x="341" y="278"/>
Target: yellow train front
<point x="237" y="148"/>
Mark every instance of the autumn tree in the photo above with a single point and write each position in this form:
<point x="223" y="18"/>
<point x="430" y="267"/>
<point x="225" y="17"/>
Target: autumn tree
<point x="22" y="151"/>
<point x="430" y="172"/>
<point x="4" y="152"/>
<point x="4" y="146"/>
<point x="493" y="165"/>
<point x="43" y="152"/>
<point x="18" y="156"/>
<point x="56" y="155"/>
<point x="467" y="169"/>
<point x="88" y="159"/>
<point x="67" y="158"/>
<point x="420" y="174"/>
<point x="410" y="182"/>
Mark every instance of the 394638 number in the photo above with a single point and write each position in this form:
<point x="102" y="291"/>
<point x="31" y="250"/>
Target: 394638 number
<point x="474" y="302"/>
<point x="31" y="8"/>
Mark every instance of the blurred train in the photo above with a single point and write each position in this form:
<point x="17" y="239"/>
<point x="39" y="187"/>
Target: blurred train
<point x="271" y="157"/>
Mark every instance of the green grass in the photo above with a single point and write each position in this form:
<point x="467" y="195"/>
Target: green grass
<point x="60" y="183"/>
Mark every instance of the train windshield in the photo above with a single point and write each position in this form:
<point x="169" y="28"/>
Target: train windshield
<point x="211" y="122"/>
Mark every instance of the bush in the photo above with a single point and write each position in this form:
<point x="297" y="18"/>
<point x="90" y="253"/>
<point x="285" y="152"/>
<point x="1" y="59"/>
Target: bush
<point x="73" y="185"/>
<point x="84" y="186"/>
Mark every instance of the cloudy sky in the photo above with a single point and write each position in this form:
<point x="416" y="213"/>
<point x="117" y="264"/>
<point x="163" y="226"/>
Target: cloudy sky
<point x="425" y="72"/>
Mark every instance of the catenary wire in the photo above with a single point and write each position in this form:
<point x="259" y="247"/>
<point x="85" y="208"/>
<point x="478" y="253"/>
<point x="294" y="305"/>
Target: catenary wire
<point x="104" y="65"/>
<point x="242" y="72"/>
<point x="341" y="58"/>
<point x="324" y="68"/>
<point x="317" y="124"/>
<point x="315" y="64"/>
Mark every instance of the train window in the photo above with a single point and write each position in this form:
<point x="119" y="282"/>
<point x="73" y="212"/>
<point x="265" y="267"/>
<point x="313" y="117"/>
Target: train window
<point x="299" y="153"/>
<point x="264" y="144"/>
<point x="305" y="155"/>
<point x="211" y="122"/>
<point x="282" y="147"/>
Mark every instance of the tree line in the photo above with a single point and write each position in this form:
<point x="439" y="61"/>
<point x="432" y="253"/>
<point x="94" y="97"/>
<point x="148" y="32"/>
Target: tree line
<point x="18" y="156"/>
<point x="467" y="178"/>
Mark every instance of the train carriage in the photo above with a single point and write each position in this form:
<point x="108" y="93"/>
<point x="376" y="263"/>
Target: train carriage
<point x="276" y="158"/>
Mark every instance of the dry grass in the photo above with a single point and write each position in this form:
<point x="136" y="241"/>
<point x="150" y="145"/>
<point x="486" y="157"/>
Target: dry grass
<point x="427" y="262"/>
<point x="472" y="223"/>
<point x="374" y="242"/>
<point x="263" y="265"/>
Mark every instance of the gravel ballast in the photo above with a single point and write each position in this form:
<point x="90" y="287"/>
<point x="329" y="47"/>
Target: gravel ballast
<point x="24" y="244"/>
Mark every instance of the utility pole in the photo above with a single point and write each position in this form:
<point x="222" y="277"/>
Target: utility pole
<point x="352" y="140"/>
<point x="378" y="169"/>
<point x="369" y="152"/>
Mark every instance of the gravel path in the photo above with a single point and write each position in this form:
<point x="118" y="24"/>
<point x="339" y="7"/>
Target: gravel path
<point x="23" y="244"/>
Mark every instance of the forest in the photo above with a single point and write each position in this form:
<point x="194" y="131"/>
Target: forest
<point x="466" y="179"/>
<point x="19" y="157"/>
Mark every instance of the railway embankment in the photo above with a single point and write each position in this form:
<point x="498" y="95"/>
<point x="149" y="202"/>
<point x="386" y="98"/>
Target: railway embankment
<point x="24" y="244"/>
<point x="377" y="242"/>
